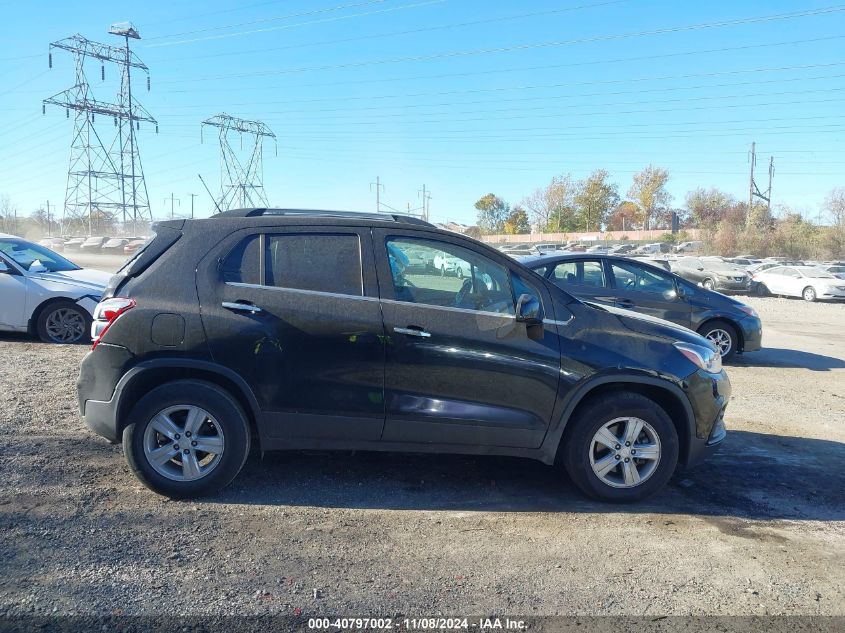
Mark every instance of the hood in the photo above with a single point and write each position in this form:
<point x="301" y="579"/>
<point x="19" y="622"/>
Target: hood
<point x="652" y="326"/>
<point x="85" y="278"/>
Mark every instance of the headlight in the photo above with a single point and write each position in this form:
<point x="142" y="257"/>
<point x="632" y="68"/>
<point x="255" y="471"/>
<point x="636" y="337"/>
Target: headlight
<point x="705" y="358"/>
<point x="748" y="310"/>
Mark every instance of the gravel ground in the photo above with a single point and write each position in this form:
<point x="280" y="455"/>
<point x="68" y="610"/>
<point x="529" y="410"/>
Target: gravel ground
<point x="757" y="530"/>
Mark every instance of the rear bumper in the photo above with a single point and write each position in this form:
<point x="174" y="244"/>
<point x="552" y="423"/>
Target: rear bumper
<point x="101" y="417"/>
<point x="96" y="388"/>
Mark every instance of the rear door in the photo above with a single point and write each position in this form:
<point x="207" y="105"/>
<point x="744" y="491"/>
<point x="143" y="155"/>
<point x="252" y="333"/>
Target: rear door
<point x="460" y="369"/>
<point x="648" y="290"/>
<point x="585" y="278"/>
<point x="295" y="312"/>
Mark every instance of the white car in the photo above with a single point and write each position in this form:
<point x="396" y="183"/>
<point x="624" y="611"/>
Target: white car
<point x="450" y="265"/>
<point x="808" y="282"/>
<point x="44" y="293"/>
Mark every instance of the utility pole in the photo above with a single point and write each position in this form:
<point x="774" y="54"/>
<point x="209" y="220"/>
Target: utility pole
<point x="49" y="223"/>
<point x="378" y="187"/>
<point x="193" y="195"/>
<point x="172" y="200"/>
<point x="426" y="201"/>
<point x="753" y="189"/>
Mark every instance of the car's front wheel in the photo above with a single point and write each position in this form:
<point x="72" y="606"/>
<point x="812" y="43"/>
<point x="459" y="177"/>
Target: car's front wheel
<point x="809" y="294"/>
<point x="186" y="438"/>
<point x="63" y="322"/>
<point x="708" y="284"/>
<point x="621" y="448"/>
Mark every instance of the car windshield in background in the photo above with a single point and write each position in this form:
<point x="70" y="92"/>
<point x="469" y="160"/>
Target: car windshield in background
<point x="26" y="254"/>
<point x="720" y="265"/>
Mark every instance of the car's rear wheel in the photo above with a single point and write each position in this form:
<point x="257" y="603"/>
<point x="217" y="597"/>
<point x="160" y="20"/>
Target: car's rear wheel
<point x="186" y="439"/>
<point x="623" y="447"/>
<point x="723" y="336"/>
<point x="809" y="294"/>
<point x="63" y="322"/>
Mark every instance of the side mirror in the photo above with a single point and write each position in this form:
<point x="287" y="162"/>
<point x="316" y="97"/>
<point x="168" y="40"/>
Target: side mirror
<point x="529" y="310"/>
<point x="671" y="295"/>
<point x="700" y="268"/>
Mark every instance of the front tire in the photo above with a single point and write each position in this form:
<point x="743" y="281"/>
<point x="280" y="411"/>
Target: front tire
<point x="64" y="322"/>
<point x="762" y="291"/>
<point x="622" y="448"/>
<point x="708" y="284"/>
<point x="809" y="294"/>
<point x="723" y="335"/>
<point x="186" y="439"/>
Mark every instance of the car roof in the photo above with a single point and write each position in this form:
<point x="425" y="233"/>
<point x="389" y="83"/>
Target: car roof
<point x="538" y="260"/>
<point x="322" y="214"/>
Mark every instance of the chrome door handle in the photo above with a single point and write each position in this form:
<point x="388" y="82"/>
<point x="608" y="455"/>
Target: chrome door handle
<point x="241" y="307"/>
<point x="412" y="332"/>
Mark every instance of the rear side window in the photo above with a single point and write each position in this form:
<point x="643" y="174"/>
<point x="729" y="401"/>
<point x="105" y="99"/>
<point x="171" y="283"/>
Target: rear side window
<point x="323" y="263"/>
<point x="242" y="263"/>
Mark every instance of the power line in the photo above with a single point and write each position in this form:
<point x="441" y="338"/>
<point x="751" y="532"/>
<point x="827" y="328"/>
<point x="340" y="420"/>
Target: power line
<point x="531" y="46"/>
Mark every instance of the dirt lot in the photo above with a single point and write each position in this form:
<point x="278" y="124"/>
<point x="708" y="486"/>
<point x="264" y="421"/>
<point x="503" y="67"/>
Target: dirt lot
<point x="757" y="530"/>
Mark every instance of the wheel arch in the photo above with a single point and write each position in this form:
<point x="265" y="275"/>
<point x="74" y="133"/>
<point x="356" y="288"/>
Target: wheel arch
<point x="32" y="323"/>
<point x="667" y="395"/>
<point x="147" y="376"/>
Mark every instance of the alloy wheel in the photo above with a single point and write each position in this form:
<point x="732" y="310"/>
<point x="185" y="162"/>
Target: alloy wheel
<point x="809" y="294"/>
<point x="65" y="325"/>
<point x="625" y="452"/>
<point x="183" y="443"/>
<point x="721" y="339"/>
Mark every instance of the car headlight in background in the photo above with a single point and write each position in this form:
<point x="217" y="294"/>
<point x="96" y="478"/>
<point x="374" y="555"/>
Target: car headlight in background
<point x="748" y="310"/>
<point x="705" y="358"/>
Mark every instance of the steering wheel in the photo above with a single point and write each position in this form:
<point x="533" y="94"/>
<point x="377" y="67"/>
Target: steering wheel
<point x="466" y="298"/>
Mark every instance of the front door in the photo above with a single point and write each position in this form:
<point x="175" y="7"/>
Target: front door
<point x="12" y="297"/>
<point x="296" y="314"/>
<point x="648" y="290"/>
<point x="460" y="369"/>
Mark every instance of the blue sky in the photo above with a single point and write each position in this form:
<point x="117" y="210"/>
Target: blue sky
<point x="464" y="96"/>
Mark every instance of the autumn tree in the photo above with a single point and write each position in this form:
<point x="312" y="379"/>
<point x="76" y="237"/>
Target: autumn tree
<point x="594" y="199"/>
<point x="552" y="208"/>
<point x="517" y="221"/>
<point x="648" y="190"/>
<point x="492" y="213"/>
<point x="709" y="206"/>
<point x="625" y="217"/>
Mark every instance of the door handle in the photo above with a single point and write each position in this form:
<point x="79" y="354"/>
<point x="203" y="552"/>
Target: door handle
<point x="241" y="306"/>
<point x="409" y="331"/>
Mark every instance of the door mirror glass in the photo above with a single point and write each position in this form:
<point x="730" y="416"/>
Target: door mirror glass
<point x="529" y="310"/>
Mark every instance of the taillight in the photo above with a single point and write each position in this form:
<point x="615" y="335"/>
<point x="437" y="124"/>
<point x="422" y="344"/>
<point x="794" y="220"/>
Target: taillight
<point x="106" y="312"/>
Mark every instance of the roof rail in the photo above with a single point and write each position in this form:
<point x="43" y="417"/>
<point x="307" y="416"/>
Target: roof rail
<point x="353" y="215"/>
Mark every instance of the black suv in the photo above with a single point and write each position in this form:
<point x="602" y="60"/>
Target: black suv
<point x="309" y="330"/>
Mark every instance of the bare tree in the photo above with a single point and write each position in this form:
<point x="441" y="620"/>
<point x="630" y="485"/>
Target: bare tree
<point x="8" y="215"/>
<point x="552" y="208"/>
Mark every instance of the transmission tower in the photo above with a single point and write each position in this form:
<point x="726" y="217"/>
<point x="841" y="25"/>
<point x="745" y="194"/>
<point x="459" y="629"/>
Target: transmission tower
<point x="241" y="186"/>
<point x="753" y="189"/>
<point x="103" y="184"/>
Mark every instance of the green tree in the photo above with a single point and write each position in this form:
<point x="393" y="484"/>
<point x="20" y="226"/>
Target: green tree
<point x="595" y="198"/>
<point x="648" y="190"/>
<point x="492" y="212"/>
<point x="552" y="208"/>
<point x="709" y="206"/>
<point x="517" y="222"/>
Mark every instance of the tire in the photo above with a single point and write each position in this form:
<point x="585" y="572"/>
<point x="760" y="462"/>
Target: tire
<point x="581" y="446"/>
<point x="809" y="294"/>
<point x="708" y="284"/>
<point x="64" y="322"/>
<point x="717" y="332"/>
<point x="762" y="291"/>
<point x="224" y="425"/>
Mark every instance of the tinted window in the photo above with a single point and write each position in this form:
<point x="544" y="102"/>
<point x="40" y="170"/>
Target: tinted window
<point x="323" y="263"/>
<point x="630" y="276"/>
<point x="581" y="272"/>
<point x="241" y="264"/>
<point x="444" y="274"/>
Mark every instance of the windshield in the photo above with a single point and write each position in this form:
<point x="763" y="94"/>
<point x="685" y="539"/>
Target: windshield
<point x="718" y="265"/>
<point x="25" y="254"/>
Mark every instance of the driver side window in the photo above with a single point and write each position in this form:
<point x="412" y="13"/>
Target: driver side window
<point x="443" y="274"/>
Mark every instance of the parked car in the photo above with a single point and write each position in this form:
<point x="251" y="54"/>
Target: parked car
<point x="688" y="247"/>
<point x="114" y="245"/>
<point x="238" y="329"/>
<point x="712" y="273"/>
<point x="808" y="282"/>
<point x="56" y="244"/>
<point x="743" y="262"/>
<point x="836" y="271"/>
<point x="93" y="244"/>
<point x="598" y="248"/>
<point x="653" y="249"/>
<point x="449" y="265"/>
<point x="43" y="293"/>
<point x="731" y="326"/>
<point x="134" y="245"/>
<point x="74" y="243"/>
<point x="621" y="249"/>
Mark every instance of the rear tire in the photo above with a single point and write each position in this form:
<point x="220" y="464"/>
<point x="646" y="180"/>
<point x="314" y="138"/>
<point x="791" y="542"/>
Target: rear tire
<point x="583" y="453"/>
<point x="762" y="291"/>
<point x="723" y="335"/>
<point x="708" y="284"/>
<point x="161" y="421"/>
<point x="64" y="322"/>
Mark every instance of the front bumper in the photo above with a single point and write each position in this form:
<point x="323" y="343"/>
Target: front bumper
<point x="752" y="333"/>
<point x="732" y="285"/>
<point x="709" y="395"/>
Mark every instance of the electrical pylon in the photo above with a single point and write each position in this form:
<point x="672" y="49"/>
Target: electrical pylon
<point x="103" y="185"/>
<point x="241" y="186"/>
